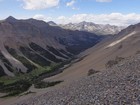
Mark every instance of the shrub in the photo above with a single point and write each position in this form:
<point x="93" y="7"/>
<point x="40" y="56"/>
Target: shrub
<point x="92" y="71"/>
<point x="114" y="62"/>
<point x="42" y="84"/>
<point x="15" y="88"/>
<point x="138" y="52"/>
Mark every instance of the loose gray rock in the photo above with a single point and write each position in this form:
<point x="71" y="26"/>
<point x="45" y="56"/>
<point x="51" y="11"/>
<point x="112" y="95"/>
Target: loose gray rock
<point x="119" y="85"/>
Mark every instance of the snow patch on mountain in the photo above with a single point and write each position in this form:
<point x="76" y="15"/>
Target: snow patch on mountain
<point x="99" y="29"/>
<point x="120" y="40"/>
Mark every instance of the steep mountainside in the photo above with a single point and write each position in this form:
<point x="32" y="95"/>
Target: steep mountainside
<point x="119" y="85"/>
<point x="94" y="28"/>
<point x="29" y="44"/>
<point x="105" y="54"/>
<point x="113" y="77"/>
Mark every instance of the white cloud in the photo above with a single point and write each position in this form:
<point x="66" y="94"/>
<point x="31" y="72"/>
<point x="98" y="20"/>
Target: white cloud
<point x="113" y="18"/>
<point x="104" y="0"/>
<point x="71" y="3"/>
<point x="39" y="17"/>
<point x="62" y="19"/>
<point x="39" y="4"/>
<point x="74" y="8"/>
<point x="42" y="17"/>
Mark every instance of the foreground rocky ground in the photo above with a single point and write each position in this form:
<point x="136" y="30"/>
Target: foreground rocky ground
<point x="119" y="85"/>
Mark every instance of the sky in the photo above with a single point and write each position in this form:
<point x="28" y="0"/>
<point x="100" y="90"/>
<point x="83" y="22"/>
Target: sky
<point x="114" y="12"/>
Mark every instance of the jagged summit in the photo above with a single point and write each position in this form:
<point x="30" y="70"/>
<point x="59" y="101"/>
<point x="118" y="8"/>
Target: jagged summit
<point x="51" y="23"/>
<point x="86" y="23"/>
<point x="100" y="29"/>
<point x="11" y="19"/>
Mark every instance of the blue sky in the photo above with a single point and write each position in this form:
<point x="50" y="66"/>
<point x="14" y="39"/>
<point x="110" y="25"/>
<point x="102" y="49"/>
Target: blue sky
<point x="117" y="12"/>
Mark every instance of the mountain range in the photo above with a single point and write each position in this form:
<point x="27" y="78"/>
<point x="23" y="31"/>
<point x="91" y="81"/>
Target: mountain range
<point x="107" y="73"/>
<point x="98" y="29"/>
<point x="26" y="45"/>
<point x="104" y="66"/>
<point x="104" y="54"/>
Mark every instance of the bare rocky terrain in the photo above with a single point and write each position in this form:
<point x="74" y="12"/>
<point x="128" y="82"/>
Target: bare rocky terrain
<point x="99" y="29"/>
<point x="115" y="60"/>
<point x="119" y="85"/>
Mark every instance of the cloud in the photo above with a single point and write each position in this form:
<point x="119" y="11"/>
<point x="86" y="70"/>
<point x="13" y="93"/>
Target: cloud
<point x="104" y="0"/>
<point x="42" y="17"/>
<point x="39" y="4"/>
<point x="39" y="17"/>
<point x="113" y="18"/>
<point x="74" y="8"/>
<point x="71" y="3"/>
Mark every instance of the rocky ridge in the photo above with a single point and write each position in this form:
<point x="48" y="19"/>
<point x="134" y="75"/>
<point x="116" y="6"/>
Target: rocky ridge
<point x="28" y="44"/>
<point x="99" y="29"/>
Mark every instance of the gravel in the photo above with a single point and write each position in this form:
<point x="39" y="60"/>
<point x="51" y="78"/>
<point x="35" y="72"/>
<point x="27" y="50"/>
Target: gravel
<point x="119" y="85"/>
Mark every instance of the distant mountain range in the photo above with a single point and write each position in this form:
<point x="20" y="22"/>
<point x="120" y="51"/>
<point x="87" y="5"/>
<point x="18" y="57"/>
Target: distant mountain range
<point x="29" y="44"/>
<point x="99" y="29"/>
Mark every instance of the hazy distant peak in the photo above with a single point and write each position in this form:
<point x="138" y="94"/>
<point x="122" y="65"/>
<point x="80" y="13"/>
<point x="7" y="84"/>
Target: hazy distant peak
<point x="51" y="23"/>
<point x="84" y="22"/>
<point x="100" y="29"/>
